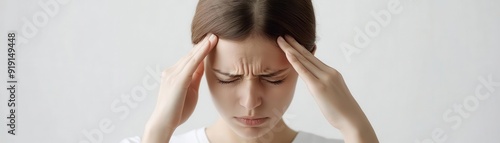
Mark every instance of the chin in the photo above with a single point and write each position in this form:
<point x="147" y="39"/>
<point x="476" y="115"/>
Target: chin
<point x="250" y="132"/>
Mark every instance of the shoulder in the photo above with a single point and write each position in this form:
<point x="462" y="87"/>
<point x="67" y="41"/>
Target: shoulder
<point x="197" y="135"/>
<point x="305" y="137"/>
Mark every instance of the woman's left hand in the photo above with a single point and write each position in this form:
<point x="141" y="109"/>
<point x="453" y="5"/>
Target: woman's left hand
<point x="330" y="92"/>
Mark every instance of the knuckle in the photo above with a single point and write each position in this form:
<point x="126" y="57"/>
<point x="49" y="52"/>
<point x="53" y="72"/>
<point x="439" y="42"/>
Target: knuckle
<point x="166" y="72"/>
<point x="293" y="59"/>
<point x="333" y="74"/>
<point x="321" y="86"/>
<point x="196" y="59"/>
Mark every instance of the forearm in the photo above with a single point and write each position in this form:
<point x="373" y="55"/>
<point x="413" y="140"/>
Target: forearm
<point x="359" y="131"/>
<point x="345" y="114"/>
<point x="154" y="133"/>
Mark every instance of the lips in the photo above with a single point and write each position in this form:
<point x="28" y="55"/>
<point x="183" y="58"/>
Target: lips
<point x="251" y="121"/>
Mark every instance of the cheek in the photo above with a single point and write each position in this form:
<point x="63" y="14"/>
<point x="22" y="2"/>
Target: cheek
<point x="217" y="90"/>
<point x="223" y="98"/>
<point x="282" y="93"/>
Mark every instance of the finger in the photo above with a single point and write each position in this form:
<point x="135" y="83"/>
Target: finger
<point x="308" y="64"/>
<point x="303" y="70"/>
<point x="197" y="57"/>
<point x="182" y="63"/>
<point x="195" y="49"/>
<point x="195" y="84"/>
<point x="304" y="52"/>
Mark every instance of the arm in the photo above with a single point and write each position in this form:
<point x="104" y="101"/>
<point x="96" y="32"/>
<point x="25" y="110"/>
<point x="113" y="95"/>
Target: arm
<point x="156" y="134"/>
<point x="330" y="92"/>
<point x="178" y="93"/>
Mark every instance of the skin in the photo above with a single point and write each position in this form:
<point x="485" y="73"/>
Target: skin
<point x="251" y="93"/>
<point x="252" y="78"/>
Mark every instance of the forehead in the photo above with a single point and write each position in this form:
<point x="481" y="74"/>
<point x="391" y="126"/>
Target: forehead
<point x="254" y="50"/>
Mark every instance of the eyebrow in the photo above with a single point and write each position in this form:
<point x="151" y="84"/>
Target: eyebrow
<point x="263" y="75"/>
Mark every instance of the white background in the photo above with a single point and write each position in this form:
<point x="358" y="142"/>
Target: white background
<point x="84" y="56"/>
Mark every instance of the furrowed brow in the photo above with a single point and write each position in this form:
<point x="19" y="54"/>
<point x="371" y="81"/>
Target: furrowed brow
<point x="227" y="74"/>
<point x="262" y="75"/>
<point x="273" y="73"/>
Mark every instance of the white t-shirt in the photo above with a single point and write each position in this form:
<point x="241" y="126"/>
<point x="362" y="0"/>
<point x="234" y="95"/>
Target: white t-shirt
<point x="199" y="136"/>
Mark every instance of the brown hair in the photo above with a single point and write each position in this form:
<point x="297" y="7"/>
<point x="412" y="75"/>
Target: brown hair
<point x="237" y="19"/>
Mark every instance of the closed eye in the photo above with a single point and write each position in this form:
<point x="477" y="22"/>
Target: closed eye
<point x="274" y="82"/>
<point x="277" y="82"/>
<point x="225" y="81"/>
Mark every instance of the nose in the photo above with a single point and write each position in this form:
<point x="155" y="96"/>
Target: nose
<point x="251" y="95"/>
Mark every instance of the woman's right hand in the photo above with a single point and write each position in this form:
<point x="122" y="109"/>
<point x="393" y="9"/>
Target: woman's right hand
<point x="178" y="93"/>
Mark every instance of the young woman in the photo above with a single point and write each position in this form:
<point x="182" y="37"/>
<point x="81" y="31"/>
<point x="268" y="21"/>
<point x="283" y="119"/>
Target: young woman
<point x="252" y="53"/>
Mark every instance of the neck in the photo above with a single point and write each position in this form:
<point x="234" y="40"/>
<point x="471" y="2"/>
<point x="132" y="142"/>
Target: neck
<point x="221" y="132"/>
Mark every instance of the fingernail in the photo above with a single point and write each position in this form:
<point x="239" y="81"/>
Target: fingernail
<point x="280" y="38"/>
<point x="212" y="37"/>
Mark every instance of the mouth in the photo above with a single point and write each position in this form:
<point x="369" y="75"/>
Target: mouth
<point x="251" y="121"/>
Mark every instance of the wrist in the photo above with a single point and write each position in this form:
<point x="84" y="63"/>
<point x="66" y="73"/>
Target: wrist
<point x="358" y="132"/>
<point x="157" y="130"/>
<point x="154" y="133"/>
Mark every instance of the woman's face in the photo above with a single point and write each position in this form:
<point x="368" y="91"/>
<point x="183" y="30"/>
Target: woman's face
<point x="251" y="82"/>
